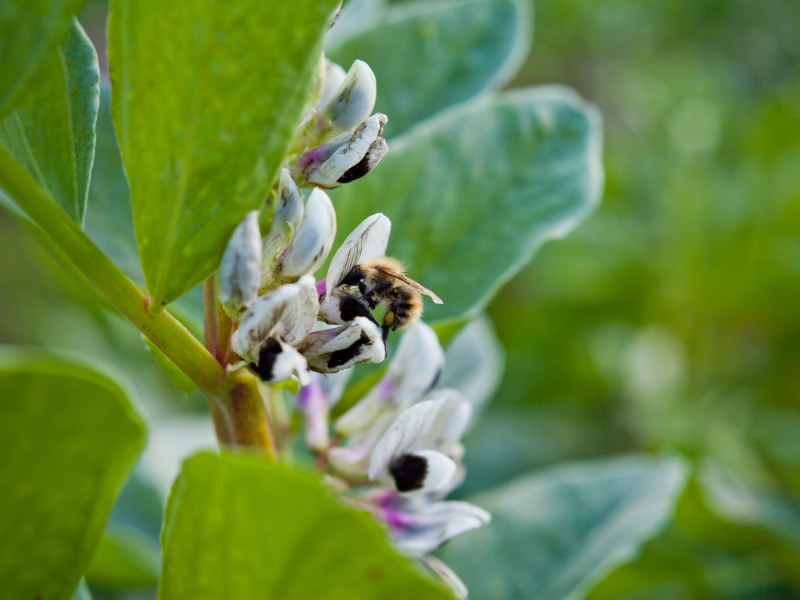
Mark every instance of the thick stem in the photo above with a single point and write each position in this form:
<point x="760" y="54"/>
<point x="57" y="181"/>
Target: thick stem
<point x="172" y="338"/>
<point x="248" y="414"/>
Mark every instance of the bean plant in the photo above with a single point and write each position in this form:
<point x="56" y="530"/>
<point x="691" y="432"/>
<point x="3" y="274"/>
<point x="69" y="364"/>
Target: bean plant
<point x="271" y="192"/>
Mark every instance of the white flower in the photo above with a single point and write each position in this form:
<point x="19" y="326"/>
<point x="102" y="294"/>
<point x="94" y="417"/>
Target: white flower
<point x="240" y="269"/>
<point x="346" y="157"/>
<point x="285" y="220"/>
<point x="273" y="325"/>
<point x="351" y="103"/>
<point x="336" y="348"/>
<point x="311" y="243"/>
<point x="418" y="452"/>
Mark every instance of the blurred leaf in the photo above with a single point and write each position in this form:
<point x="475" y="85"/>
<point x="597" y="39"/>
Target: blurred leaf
<point x="125" y="559"/>
<point x="734" y="500"/>
<point x="473" y="365"/>
<point x="238" y="527"/>
<point x="29" y="31"/>
<point x="51" y="129"/>
<point x="204" y="121"/>
<point x="70" y="437"/>
<point x="556" y="533"/>
<point x="475" y="191"/>
<point x="451" y="51"/>
<point x="82" y="592"/>
<point x="170" y="369"/>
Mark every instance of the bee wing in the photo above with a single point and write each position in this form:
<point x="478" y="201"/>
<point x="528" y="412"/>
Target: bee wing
<point x="412" y="283"/>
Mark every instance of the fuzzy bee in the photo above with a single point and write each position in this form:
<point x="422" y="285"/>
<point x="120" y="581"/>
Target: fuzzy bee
<point x="383" y="281"/>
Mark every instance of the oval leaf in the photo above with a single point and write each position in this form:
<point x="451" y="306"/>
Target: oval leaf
<point x="237" y="527"/>
<point x="472" y="193"/>
<point x="70" y="437"/>
<point x="554" y="534"/>
<point x="204" y="119"/>
<point x="29" y="31"/>
<point x="51" y="131"/>
<point x="451" y="52"/>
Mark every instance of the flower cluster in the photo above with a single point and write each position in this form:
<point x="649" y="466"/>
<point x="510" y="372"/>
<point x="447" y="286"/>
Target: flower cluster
<point x="288" y="324"/>
<point x="396" y="452"/>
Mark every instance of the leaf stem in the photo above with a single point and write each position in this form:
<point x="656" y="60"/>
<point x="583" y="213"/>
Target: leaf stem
<point x="166" y="332"/>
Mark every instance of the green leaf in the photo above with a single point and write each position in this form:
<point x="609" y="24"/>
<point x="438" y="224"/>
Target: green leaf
<point x="451" y="52"/>
<point x="51" y="130"/>
<point x="70" y="437"/>
<point x="472" y="193"/>
<point x="238" y="527"/>
<point x="29" y="31"/>
<point x="125" y="558"/>
<point x="555" y="534"/>
<point x="205" y="120"/>
<point x="110" y="222"/>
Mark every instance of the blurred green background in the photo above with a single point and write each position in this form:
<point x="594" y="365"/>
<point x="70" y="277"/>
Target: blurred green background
<point x="668" y="321"/>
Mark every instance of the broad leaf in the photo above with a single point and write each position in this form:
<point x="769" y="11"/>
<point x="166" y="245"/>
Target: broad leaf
<point x="70" y="437"/>
<point x="125" y="558"/>
<point x="554" y="534"/>
<point x="237" y="527"/>
<point x="451" y="51"/>
<point x="204" y="121"/>
<point x="29" y="32"/>
<point x="51" y="130"/>
<point x="472" y="193"/>
<point x="82" y="592"/>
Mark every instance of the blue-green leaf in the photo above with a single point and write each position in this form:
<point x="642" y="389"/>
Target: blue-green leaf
<point x="473" y="192"/>
<point x="429" y="55"/>
<point x="51" y="131"/>
<point x="556" y="533"/>
<point x="205" y="120"/>
<point x="29" y="31"/>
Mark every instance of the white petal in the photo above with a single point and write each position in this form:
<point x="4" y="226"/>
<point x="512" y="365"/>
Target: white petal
<point x="240" y="269"/>
<point x="367" y="241"/>
<point x="315" y="407"/>
<point x="287" y="217"/>
<point x="402" y="437"/>
<point x="338" y="348"/>
<point x="416" y="365"/>
<point x="332" y="79"/>
<point x="352" y="152"/>
<point x="353" y="101"/>
<point x="287" y="313"/>
<point x="439" y="470"/>
<point x="447" y="575"/>
<point x="312" y="242"/>
<point x="287" y="364"/>
<point x="360" y="416"/>
<point x="437" y="522"/>
<point x="450" y="423"/>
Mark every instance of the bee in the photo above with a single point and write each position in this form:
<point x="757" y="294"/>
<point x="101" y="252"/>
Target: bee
<point x="383" y="281"/>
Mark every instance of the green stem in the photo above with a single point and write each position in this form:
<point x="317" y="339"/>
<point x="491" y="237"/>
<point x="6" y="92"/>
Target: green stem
<point x="172" y="338"/>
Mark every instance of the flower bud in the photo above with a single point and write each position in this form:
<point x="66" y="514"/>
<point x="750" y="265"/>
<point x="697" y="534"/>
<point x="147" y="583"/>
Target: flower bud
<point x="310" y="245"/>
<point x="240" y="269"/>
<point x="352" y="102"/>
<point x="288" y="213"/>
<point x="345" y="158"/>
<point x="332" y="76"/>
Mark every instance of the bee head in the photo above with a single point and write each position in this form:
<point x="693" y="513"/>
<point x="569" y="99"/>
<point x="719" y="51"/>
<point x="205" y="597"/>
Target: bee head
<point x="353" y="277"/>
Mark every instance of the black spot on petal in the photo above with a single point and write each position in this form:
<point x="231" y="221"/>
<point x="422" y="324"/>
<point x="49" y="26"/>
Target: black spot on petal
<point x="266" y="359"/>
<point x="409" y="472"/>
<point x="344" y="355"/>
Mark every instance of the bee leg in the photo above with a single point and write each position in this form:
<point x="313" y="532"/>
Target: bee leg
<point x="351" y="308"/>
<point x="370" y="295"/>
<point x="385" y="329"/>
